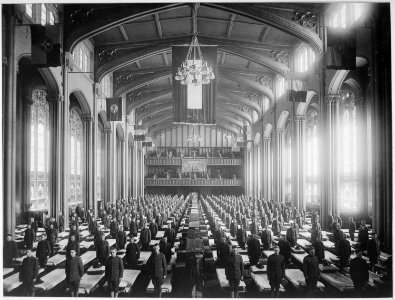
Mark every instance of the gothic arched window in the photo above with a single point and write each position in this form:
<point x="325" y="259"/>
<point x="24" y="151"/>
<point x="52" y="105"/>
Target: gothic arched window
<point x="39" y="151"/>
<point x="312" y="157"/>
<point x="76" y="134"/>
<point x="348" y="152"/>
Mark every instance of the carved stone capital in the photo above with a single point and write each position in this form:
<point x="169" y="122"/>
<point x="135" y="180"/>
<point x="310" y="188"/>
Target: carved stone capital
<point x="123" y="140"/>
<point x="331" y="99"/>
<point x="359" y="101"/>
<point x="107" y="130"/>
<point x="87" y="119"/>
<point x="300" y="118"/>
<point x="29" y="101"/>
<point x="55" y="98"/>
<point x="280" y="130"/>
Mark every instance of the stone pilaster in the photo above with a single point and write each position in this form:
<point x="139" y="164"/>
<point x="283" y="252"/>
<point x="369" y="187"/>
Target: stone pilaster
<point x="299" y="162"/>
<point x="56" y="168"/>
<point x="89" y="178"/>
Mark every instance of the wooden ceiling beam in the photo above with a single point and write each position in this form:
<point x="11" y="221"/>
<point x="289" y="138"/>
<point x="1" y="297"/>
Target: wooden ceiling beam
<point x="203" y="39"/>
<point x="123" y="33"/>
<point x="165" y="59"/>
<point x="158" y="26"/>
<point x="230" y="26"/>
<point x="264" y="33"/>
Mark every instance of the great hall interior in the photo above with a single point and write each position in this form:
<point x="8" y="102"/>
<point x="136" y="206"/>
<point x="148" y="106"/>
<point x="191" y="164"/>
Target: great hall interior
<point x="215" y="130"/>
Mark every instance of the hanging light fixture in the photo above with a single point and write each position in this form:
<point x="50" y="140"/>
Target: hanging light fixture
<point x="194" y="138"/>
<point x="194" y="69"/>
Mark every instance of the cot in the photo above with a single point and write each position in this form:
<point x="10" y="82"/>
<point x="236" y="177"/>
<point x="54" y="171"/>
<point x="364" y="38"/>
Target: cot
<point x="56" y="260"/>
<point x="11" y="283"/>
<point x="339" y="281"/>
<point x="87" y="257"/>
<point x="297" y="279"/>
<point x="166" y="287"/>
<point x="299" y="256"/>
<point x="224" y="283"/>
<point x="331" y="256"/>
<point x="128" y="279"/>
<point x="144" y="256"/>
<point x="267" y="253"/>
<point x="262" y="282"/>
<point x="303" y="243"/>
<point x="51" y="280"/>
<point x="86" y="244"/>
<point x="89" y="281"/>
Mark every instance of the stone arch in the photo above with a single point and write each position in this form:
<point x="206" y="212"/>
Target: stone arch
<point x="119" y="131"/>
<point x="268" y="130"/>
<point x="302" y="107"/>
<point x="337" y="82"/>
<point x="355" y="87"/>
<point x="103" y="118"/>
<point x="282" y="119"/>
<point x="257" y="138"/>
<point x="81" y="99"/>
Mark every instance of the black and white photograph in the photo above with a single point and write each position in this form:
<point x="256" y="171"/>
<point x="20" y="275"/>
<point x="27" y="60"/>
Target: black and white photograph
<point x="197" y="149"/>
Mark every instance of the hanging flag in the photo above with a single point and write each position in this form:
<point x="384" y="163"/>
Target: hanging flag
<point x="298" y="89"/>
<point x="45" y="45"/>
<point x="147" y="144"/>
<point x="341" y="49"/>
<point x="114" y="109"/>
<point x="139" y="138"/>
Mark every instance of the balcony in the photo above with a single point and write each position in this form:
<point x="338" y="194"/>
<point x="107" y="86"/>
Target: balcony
<point x="193" y="182"/>
<point x="176" y="161"/>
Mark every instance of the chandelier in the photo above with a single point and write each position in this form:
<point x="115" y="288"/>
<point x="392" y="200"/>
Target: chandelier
<point x="194" y="69"/>
<point x="194" y="138"/>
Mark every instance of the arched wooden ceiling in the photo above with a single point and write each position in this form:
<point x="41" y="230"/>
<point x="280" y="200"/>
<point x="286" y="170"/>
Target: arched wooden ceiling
<point x="133" y="41"/>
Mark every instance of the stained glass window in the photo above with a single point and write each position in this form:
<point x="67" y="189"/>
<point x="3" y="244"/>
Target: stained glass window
<point x="39" y="151"/>
<point x="29" y="9"/>
<point x="43" y="14"/>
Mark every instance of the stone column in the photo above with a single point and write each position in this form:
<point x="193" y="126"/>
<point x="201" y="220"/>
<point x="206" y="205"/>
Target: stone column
<point x="278" y="166"/>
<point x="55" y="102"/>
<point x="142" y="167"/>
<point x="266" y="168"/>
<point x="95" y="129"/>
<point x="329" y="162"/>
<point x="135" y="172"/>
<point x="124" y="167"/>
<point x="9" y="139"/>
<point x="89" y="179"/>
<point x="109" y="169"/>
<point x="299" y="162"/>
<point x="363" y="163"/>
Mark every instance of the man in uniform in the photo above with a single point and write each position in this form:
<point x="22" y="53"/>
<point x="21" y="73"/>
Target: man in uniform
<point x="223" y="252"/>
<point x="74" y="271"/>
<point x="311" y="270"/>
<point x="359" y="271"/>
<point x="266" y="238"/>
<point x="157" y="269"/>
<point x="10" y="251"/>
<point x="318" y="245"/>
<point x="114" y="272"/>
<point x="43" y="251"/>
<point x="254" y="250"/>
<point x="132" y="254"/>
<point x="351" y="228"/>
<point x="28" y="273"/>
<point x="234" y="271"/>
<point x="344" y="251"/>
<point x="275" y="271"/>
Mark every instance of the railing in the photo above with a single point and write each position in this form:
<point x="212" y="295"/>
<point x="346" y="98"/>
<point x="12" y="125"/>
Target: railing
<point x="193" y="182"/>
<point x="176" y="161"/>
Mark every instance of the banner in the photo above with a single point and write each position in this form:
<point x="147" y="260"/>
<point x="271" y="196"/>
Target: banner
<point x="341" y="49"/>
<point x="114" y="109"/>
<point x="194" y="165"/>
<point x="147" y="144"/>
<point x="45" y="45"/>
<point x="139" y="138"/>
<point x="194" y="104"/>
